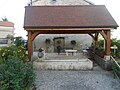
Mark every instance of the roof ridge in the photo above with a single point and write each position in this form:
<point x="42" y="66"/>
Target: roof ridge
<point x="88" y="1"/>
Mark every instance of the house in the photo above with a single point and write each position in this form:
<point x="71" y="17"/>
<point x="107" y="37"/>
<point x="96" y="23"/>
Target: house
<point x="60" y="2"/>
<point x="6" y="28"/>
<point x="82" y="40"/>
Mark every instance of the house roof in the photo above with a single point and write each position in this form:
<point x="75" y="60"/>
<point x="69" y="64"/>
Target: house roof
<point x="91" y="3"/>
<point x="6" y="24"/>
<point x="82" y="16"/>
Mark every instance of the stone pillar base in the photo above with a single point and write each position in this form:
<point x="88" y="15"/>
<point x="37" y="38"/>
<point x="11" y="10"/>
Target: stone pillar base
<point x="107" y="63"/>
<point x="107" y="58"/>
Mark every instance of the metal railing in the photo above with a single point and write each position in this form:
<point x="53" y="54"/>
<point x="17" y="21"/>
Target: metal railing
<point x="115" y="67"/>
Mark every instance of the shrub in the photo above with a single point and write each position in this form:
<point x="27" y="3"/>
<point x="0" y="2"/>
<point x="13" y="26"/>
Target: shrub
<point x="16" y="75"/>
<point x="113" y="41"/>
<point x="73" y="42"/>
<point x="10" y="36"/>
<point x="12" y="51"/>
<point x="58" y="42"/>
<point x="19" y="42"/>
<point x="116" y="69"/>
<point x="47" y="41"/>
<point x="101" y="43"/>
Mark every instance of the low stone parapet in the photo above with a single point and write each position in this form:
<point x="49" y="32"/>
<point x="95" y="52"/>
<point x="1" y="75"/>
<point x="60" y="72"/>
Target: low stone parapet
<point x="77" y="64"/>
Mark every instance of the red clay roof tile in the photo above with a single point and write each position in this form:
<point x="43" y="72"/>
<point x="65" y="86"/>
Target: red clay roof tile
<point x="6" y="24"/>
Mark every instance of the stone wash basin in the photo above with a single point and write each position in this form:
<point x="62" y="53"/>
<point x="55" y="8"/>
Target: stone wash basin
<point x="63" y="64"/>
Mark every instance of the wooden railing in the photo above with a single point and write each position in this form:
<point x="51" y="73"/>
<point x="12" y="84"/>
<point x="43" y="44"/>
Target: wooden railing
<point x="115" y="67"/>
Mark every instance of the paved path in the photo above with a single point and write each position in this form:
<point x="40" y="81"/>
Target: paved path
<point x="97" y="79"/>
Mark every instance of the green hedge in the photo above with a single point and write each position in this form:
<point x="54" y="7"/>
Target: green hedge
<point x="12" y="51"/>
<point x="116" y="69"/>
<point x="15" y="73"/>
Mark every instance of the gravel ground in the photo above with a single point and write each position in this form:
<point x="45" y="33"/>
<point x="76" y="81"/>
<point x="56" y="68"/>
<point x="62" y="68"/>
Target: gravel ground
<point x="97" y="79"/>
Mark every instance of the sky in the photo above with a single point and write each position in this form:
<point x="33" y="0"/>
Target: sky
<point x="113" y="7"/>
<point x="14" y="11"/>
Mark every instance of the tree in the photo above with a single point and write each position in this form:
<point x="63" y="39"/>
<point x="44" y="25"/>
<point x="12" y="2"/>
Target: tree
<point x="4" y="19"/>
<point x="19" y="41"/>
<point x="10" y="36"/>
<point x="73" y="42"/>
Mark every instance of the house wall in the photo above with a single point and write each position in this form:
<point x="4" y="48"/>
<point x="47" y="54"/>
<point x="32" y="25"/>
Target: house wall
<point x="60" y="2"/>
<point x="4" y="31"/>
<point x="83" y="40"/>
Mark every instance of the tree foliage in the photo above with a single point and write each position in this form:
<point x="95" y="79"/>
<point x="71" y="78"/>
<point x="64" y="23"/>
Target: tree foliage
<point x="5" y="19"/>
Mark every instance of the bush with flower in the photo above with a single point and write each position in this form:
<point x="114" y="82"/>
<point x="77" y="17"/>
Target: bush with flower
<point x="12" y="51"/>
<point x="15" y="73"/>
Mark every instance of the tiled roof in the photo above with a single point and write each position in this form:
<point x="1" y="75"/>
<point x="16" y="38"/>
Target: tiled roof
<point x="82" y="16"/>
<point x="91" y="3"/>
<point x="6" y="24"/>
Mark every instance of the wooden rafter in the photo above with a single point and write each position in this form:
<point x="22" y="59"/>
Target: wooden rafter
<point x="104" y="35"/>
<point x="96" y="35"/>
<point x="96" y="38"/>
<point x="92" y="35"/>
<point x="34" y="34"/>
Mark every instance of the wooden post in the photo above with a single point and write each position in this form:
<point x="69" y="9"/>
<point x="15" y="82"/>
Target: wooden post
<point x="96" y="39"/>
<point x="29" y="45"/>
<point x="107" y="45"/>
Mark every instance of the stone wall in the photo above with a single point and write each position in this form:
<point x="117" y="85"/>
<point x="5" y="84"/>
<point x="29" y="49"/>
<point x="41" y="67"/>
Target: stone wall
<point x="82" y="40"/>
<point x="60" y="2"/>
<point x="102" y="62"/>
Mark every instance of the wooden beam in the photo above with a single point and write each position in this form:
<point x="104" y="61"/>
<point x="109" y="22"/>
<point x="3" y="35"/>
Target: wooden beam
<point x="96" y="38"/>
<point x="44" y="29"/>
<point x="107" y="43"/>
<point x="29" y="45"/>
<point x="106" y="36"/>
<point x="103" y="34"/>
<point x="92" y="35"/>
<point x="65" y="32"/>
<point x="34" y="34"/>
<point x="96" y="35"/>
